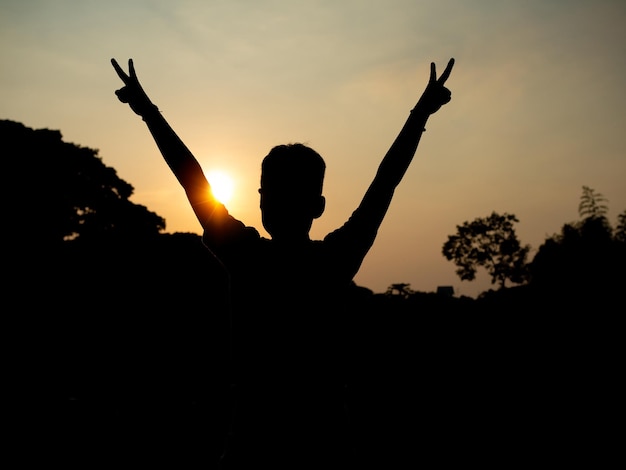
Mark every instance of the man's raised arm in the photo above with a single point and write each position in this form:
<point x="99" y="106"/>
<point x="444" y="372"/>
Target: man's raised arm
<point x="178" y="157"/>
<point x="400" y="154"/>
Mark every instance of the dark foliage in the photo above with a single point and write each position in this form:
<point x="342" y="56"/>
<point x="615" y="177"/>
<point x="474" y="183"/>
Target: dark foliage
<point x="491" y="243"/>
<point x="60" y="191"/>
<point x="584" y="265"/>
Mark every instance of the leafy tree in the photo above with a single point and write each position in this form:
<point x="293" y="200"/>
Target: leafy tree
<point x="592" y="204"/>
<point x="488" y="242"/>
<point x="60" y="191"/>
<point x="401" y="289"/>
<point x="587" y="257"/>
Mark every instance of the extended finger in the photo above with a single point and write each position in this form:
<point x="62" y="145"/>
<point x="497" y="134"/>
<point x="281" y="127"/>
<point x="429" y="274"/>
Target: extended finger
<point x="131" y="69"/>
<point x="446" y="72"/>
<point x="433" y="72"/>
<point x="119" y="71"/>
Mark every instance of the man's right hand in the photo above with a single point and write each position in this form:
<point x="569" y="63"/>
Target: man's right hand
<point x="132" y="92"/>
<point x="436" y="94"/>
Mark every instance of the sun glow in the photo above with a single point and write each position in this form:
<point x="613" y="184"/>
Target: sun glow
<point x="222" y="185"/>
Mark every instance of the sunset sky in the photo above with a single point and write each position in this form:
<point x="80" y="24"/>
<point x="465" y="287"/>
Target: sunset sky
<point x="538" y="105"/>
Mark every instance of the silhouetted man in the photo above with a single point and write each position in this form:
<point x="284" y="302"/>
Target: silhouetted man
<point x="287" y="291"/>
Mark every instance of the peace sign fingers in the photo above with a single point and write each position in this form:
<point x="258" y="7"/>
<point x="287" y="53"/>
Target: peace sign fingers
<point x="446" y="72"/>
<point x="129" y="78"/>
<point x="120" y="72"/>
<point x="444" y="76"/>
<point x="132" y="92"/>
<point x="436" y="94"/>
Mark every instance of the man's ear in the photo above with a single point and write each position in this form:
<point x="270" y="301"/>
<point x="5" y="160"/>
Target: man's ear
<point x="320" y="205"/>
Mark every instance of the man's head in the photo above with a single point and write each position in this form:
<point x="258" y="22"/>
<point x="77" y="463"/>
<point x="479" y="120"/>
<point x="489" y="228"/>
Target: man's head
<point x="292" y="177"/>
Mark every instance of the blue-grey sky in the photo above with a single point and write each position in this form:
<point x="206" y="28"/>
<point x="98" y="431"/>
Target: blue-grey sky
<point x="538" y="107"/>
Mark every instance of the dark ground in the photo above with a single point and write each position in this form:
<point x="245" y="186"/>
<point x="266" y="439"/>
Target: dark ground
<point x="432" y="381"/>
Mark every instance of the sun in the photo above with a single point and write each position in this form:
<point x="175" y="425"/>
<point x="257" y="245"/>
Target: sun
<point x="222" y="185"/>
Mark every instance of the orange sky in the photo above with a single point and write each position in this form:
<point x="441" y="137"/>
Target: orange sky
<point x="538" y="106"/>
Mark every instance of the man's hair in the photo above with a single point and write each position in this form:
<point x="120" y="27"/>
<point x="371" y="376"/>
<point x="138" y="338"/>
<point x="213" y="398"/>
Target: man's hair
<point x="294" y="166"/>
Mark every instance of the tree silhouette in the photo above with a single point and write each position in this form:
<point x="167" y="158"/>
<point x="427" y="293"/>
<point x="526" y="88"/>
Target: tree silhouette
<point x="119" y="318"/>
<point x="586" y="259"/>
<point x="62" y="191"/>
<point x="489" y="242"/>
<point x="592" y="204"/>
<point x="401" y="289"/>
